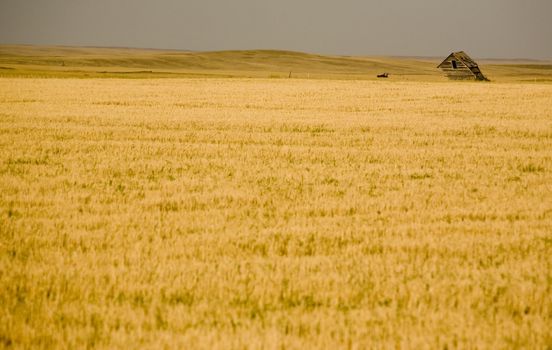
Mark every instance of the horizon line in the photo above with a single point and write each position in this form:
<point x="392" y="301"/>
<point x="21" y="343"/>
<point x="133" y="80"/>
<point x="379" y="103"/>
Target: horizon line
<point x="431" y="57"/>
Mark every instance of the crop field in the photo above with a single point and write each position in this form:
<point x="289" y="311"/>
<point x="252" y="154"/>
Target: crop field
<point x="275" y="213"/>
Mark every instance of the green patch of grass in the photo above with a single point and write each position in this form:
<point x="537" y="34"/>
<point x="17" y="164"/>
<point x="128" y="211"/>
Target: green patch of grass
<point x="420" y="176"/>
<point x="531" y="168"/>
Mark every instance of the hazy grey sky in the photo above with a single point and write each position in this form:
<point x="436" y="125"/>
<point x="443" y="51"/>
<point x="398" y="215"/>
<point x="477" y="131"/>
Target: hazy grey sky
<point x="484" y="28"/>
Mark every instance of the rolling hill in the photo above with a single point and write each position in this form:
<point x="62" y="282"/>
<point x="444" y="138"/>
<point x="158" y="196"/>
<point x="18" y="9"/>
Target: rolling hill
<point x="58" y="61"/>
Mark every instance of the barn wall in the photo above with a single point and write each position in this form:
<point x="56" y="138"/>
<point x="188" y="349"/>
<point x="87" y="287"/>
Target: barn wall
<point x="461" y="72"/>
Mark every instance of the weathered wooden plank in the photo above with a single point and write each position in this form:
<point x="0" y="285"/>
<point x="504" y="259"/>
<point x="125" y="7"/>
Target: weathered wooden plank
<point x="458" y="71"/>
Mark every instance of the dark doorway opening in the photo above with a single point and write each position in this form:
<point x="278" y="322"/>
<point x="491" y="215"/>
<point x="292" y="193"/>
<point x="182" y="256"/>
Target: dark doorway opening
<point x="454" y="65"/>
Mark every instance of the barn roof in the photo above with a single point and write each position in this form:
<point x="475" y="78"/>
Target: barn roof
<point x="462" y="57"/>
<point x="466" y="60"/>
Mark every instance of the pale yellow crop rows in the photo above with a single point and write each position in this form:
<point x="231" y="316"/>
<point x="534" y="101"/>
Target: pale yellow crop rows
<point x="275" y="213"/>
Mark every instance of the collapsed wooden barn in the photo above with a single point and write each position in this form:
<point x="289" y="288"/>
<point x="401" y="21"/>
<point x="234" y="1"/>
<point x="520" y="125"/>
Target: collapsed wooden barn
<point x="460" y="66"/>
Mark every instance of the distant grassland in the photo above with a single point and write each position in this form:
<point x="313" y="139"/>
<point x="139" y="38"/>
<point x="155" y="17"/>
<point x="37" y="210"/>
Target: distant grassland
<point x="274" y="213"/>
<point x="31" y="61"/>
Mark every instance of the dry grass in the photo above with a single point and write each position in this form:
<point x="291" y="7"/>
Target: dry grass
<point x="78" y="62"/>
<point x="274" y="213"/>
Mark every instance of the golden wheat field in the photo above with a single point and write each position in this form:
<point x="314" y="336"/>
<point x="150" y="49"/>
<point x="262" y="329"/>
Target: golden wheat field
<point x="275" y="213"/>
